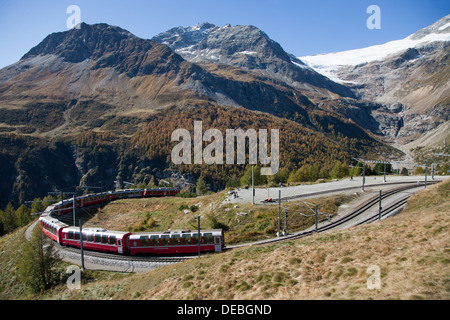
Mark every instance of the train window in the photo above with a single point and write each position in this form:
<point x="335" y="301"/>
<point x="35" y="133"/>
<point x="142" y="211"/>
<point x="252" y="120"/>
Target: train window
<point x="175" y="239"/>
<point x="216" y="240"/>
<point x="70" y="234"/>
<point x="97" y="237"/>
<point x="77" y="235"/>
<point x="134" y="243"/>
<point x="165" y="240"/>
<point x="144" y="241"/>
<point x="91" y="237"/>
<point x="154" y="240"/>
<point x="104" y="238"/>
<point x="195" y="238"/>
<point x="84" y="235"/>
<point x="119" y="242"/>
<point x="208" y="238"/>
<point x="112" y="239"/>
<point x="186" y="239"/>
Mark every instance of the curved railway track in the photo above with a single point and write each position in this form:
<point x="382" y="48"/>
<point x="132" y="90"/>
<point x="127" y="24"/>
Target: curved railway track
<point x="362" y="209"/>
<point x="113" y="256"/>
<point x="307" y="195"/>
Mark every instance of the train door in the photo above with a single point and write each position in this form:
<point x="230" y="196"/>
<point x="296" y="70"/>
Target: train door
<point x="217" y="244"/>
<point x="120" y="247"/>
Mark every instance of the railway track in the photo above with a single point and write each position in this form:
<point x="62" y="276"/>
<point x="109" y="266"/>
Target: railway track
<point x="362" y="209"/>
<point x="308" y="195"/>
<point x="112" y="256"/>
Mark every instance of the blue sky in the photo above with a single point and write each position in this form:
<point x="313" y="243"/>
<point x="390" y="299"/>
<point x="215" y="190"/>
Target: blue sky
<point x="301" y="27"/>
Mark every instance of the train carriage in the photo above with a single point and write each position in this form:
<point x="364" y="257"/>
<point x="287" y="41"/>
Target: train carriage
<point x="125" y="194"/>
<point x="92" y="199"/>
<point x="52" y="227"/>
<point x="177" y="241"/>
<point x="161" y="192"/>
<point x="169" y="242"/>
<point x="97" y="239"/>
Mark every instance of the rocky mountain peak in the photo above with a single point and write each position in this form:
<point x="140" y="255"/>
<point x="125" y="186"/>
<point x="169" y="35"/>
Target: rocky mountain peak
<point x="181" y="37"/>
<point x="89" y="41"/>
<point x="246" y="47"/>
<point x="107" y="46"/>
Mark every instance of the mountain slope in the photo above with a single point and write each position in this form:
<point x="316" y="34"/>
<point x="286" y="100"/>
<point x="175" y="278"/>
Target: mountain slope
<point x="112" y="66"/>
<point x="408" y="79"/>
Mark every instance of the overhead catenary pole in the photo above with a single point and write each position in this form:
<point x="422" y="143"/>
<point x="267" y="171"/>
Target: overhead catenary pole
<point x="316" y="216"/>
<point x="426" y="172"/>
<point x="432" y="168"/>
<point x="81" y="247"/>
<point x="364" y="174"/>
<point x="285" y="219"/>
<point x="379" y="208"/>
<point x="279" y="213"/>
<point x="74" y="209"/>
<point x="253" y="184"/>
<point x="199" y="235"/>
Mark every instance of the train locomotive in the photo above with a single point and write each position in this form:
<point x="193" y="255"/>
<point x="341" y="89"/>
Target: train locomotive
<point x="126" y="243"/>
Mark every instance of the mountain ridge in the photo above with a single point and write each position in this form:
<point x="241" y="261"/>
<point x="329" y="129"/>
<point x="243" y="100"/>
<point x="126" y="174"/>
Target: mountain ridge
<point x="411" y="75"/>
<point x="80" y="92"/>
<point x="250" y="48"/>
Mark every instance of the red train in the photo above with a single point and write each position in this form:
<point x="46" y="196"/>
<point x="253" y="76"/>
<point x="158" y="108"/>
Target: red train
<point x="66" y="206"/>
<point x="168" y="242"/>
<point x="177" y="241"/>
<point x="96" y="239"/>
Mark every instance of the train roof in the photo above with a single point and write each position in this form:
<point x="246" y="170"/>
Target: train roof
<point x="97" y="230"/>
<point x="53" y="221"/>
<point x="214" y="231"/>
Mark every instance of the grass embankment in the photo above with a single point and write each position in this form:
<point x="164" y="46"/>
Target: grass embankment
<point x="242" y="222"/>
<point x="411" y="251"/>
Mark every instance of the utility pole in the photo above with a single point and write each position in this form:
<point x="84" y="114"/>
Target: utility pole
<point x="316" y="216"/>
<point x="253" y="184"/>
<point x="81" y="247"/>
<point x="432" y="168"/>
<point x="385" y="167"/>
<point x="364" y="174"/>
<point x="379" y="208"/>
<point x="74" y="209"/>
<point x="279" y="209"/>
<point x="426" y="173"/>
<point x="199" y="235"/>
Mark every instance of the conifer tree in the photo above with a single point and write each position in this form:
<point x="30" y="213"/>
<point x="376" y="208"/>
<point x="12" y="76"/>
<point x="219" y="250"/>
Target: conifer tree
<point x="38" y="262"/>
<point x="23" y="215"/>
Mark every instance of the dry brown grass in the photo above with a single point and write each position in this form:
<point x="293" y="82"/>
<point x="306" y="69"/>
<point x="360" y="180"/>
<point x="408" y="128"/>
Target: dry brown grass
<point x="410" y="249"/>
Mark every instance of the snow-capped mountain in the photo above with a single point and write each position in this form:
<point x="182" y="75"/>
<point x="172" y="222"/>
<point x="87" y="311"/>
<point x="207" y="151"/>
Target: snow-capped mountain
<point x="185" y="37"/>
<point x="408" y="79"/>
<point x="329" y="64"/>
